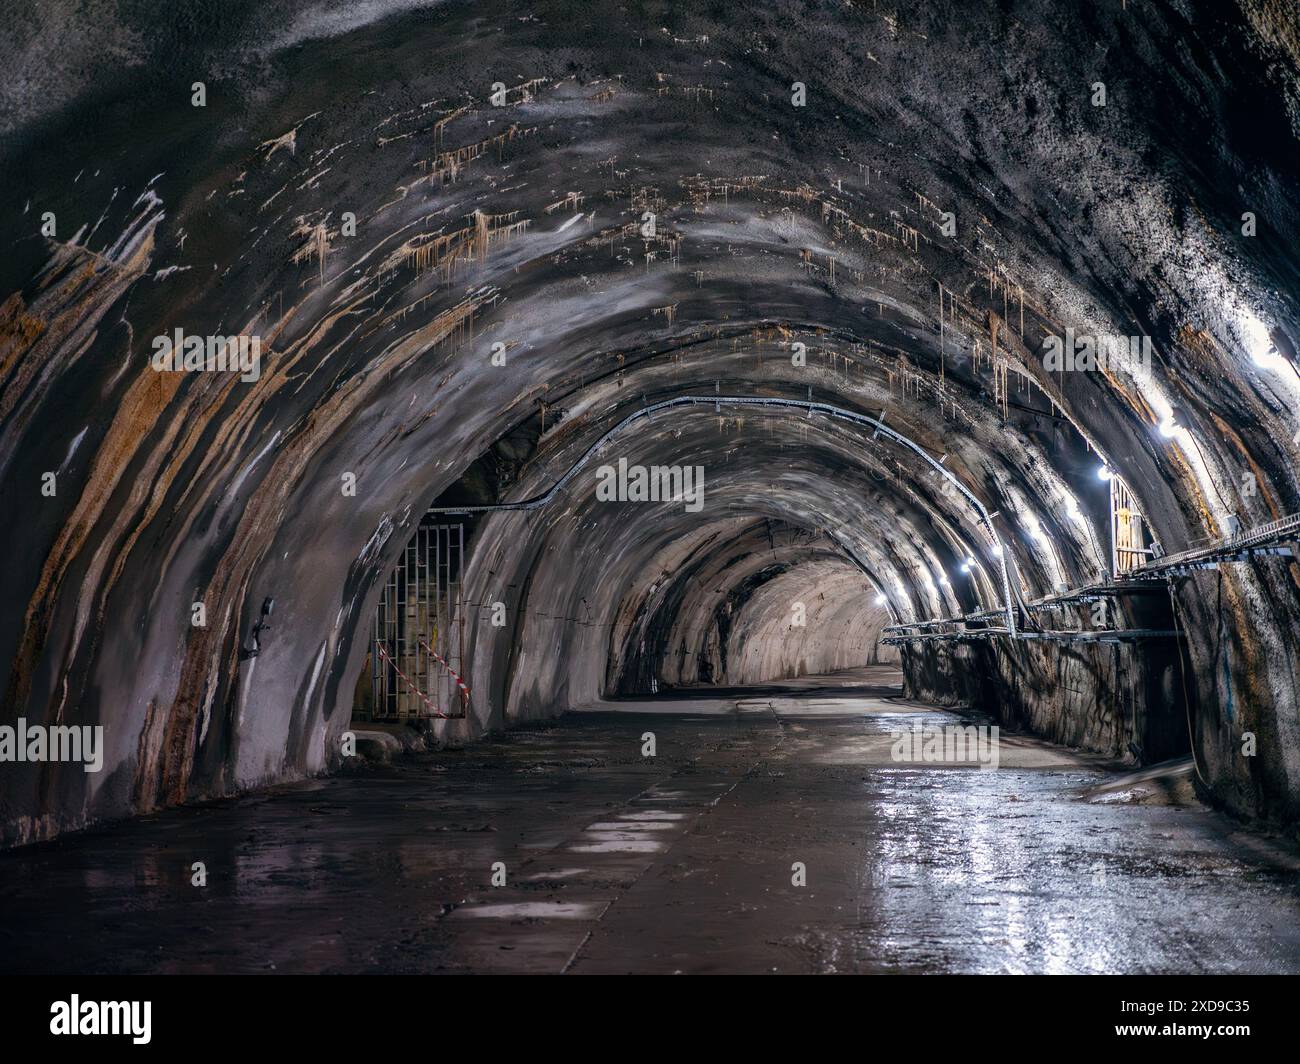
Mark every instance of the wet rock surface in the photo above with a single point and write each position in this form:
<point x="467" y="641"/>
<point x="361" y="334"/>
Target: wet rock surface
<point x="681" y="863"/>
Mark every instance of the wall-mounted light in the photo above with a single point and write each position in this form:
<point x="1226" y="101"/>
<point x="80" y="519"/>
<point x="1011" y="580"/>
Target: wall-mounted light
<point x="1104" y="472"/>
<point x="1259" y="343"/>
<point x="880" y="600"/>
<point x="1270" y="359"/>
<point x="1173" y="422"/>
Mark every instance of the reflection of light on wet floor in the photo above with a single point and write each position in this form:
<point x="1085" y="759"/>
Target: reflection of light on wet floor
<point x="985" y="905"/>
<point x="856" y="706"/>
<point x="621" y="846"/>
<point x="627" y="834"/>
<point x="559" y="873"/>
<point x="652" y="814"/>
<point x="538" y="910"/>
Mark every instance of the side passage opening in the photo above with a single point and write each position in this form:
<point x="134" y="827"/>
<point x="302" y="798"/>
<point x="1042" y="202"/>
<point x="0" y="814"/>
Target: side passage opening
<point x="415" y="660"/>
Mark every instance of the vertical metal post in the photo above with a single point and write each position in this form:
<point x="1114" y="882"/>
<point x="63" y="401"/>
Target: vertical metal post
<point x="1114" y="529"/>
<point x="460" y="610"/>
<point x="425" y="555"/>
<point x="435" y="618"/>
<point x="390" y="702"/>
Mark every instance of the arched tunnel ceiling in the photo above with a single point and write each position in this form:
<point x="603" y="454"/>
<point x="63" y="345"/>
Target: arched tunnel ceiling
<point x="641" y="212"/>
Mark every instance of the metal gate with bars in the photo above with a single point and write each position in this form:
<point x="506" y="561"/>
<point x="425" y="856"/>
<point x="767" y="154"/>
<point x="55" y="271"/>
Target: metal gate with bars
<point x="419" y="620"/>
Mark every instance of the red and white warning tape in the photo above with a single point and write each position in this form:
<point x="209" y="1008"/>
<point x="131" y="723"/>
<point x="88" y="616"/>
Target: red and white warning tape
<point x="464" y="691"/>
<point x="423" y="697"/>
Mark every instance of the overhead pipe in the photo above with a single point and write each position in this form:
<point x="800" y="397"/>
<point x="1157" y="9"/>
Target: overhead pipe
<point x="809" y="407"/>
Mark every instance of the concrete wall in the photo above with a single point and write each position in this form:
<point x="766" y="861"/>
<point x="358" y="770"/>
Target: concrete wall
<point x="1106" y="698"/>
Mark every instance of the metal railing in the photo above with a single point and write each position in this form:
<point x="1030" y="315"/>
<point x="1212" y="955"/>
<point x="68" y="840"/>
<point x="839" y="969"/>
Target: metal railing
<point x="1225" y="548"/>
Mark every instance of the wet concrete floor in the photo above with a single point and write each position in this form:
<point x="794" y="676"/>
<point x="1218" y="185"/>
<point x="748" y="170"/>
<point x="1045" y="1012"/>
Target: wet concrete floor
<point x="682" y="863"/>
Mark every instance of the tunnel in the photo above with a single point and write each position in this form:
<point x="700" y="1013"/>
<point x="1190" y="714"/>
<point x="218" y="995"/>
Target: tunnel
<point x="650" y="487"/>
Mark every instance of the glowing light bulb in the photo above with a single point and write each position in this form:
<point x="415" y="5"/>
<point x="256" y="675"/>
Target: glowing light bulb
<point x="1104" y="473"/>
<point x="880" y="600"/>
<point x="1173" y="421"/>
